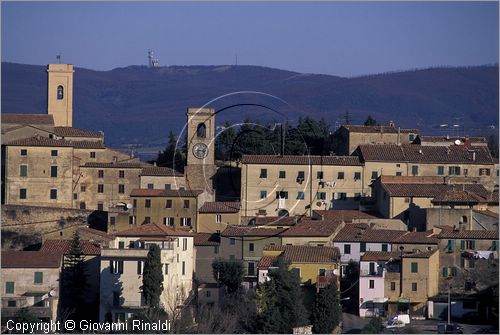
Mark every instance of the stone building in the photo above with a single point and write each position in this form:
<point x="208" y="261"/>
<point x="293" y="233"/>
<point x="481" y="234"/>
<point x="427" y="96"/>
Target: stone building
<point x="207" y="251"/>
<point x="214" y="217"/>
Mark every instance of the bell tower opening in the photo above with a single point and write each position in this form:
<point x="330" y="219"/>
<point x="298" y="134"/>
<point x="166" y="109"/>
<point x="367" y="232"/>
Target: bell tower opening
<point x="60" y="94"/>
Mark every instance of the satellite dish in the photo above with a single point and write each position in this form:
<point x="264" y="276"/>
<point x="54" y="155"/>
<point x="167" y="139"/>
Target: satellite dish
<point x="457" y="142"/>
<point x="336" y="272"/>
<point x="129" y="206"/>
<point x="52" y="293"/>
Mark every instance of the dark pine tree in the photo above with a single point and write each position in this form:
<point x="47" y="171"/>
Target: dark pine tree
<point x="229" y="274"/>
<point x="152" y="278"/>
<point x="370" y="121"/>
<point x="327" y="310"/>
<point x="172" y="156"/>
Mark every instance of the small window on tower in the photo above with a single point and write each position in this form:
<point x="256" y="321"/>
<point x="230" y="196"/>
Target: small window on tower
<point x="60" y="92"/>
<point x="201" y="131"/>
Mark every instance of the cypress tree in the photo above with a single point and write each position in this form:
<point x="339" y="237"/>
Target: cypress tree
<point x="326" y="311"/>
<point x="152" y="278"/>
<point x="75" y="277"/>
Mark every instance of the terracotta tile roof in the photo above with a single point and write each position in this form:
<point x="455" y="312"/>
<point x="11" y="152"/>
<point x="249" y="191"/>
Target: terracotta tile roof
<point x="474" y="139"/>
<point x="39" y="141"/>
<point x="275" y="221"/>
<point x="345" y="215"/>
<point x="430" y="190"/>
<point x="112" y="165"/>
<point x="206" y="239"/>
<point x="63" y="247"/>
<point x="30" y="259"/>
<point x="160" y="171"/>
<point x="94" y="234"/>
<point x="76" y="132"/>
<point x="448" y="232"/>
<point x="357" y="232"/>
<point x="154" y="230"/>
<point x="233" y="231"/>
<point x="377" y="129"/>
<point x="413" y="153"/>
<point x="487" y="213"/>
<point x="301" y="160"/>
<point x="27" y="118"/>
<point x="457" y="196"/>
<point x="145" y="192"/>
<point x="266" y="261"/>
<point x="306" y="254"/>
<point x="373" y="256"/>
<point x="423" y="237"/>
<point x="220" y="207"/>
<point x="313" y="228"/>
<point x="421" y="254"/>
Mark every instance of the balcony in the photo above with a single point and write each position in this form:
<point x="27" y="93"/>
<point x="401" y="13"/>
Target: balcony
<point x="377" y="273"/>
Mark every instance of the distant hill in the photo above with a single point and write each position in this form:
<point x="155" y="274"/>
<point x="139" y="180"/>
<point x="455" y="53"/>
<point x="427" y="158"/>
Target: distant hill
<point x="140" y="105"/>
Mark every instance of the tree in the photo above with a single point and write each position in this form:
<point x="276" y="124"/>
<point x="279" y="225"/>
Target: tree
<point x="75" y="279"/>
<point x="349" y="286"/>
<point x="347" y="117"/>
<point x="370" y="121"/>
<point x="373" y="327"/>
<point x="224" y="143"/>
<point x="280" y="302"/>
<point x="327" y="310"/>
<point x="152" y="278"/>
<point x="228" y="273"/>
<point x="493" y="145"/>
<point x="172" y="156"/>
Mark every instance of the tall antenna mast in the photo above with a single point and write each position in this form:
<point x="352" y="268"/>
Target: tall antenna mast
<point x="58" y="57"/>
<point x="152" y="62"/>
<point x="236" y="59"/>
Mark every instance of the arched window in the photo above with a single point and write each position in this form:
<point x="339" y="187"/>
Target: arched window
<point x="60" y="92"/>
<point x="201" y="131"/>
<point x="283" y="212"/>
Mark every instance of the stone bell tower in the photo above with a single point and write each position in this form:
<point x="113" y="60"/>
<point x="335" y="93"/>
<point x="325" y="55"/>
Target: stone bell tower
<point x="60" y="94"/>
<point x="200" y="169"/>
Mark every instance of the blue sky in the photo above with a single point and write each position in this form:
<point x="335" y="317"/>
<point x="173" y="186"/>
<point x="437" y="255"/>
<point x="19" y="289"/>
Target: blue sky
<point x="339" y="38"/>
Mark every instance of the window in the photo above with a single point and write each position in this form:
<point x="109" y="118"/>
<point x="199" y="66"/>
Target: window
<point x="116" y="267"/>
<point x="454" y="271"/>
<point x="484" y="172"/>
<point x="445" y="272"/>
<point x="151" y="186"/>
<point x="342" y="196"/>
<point x="112" y="220"/>
<point x="23" y="193"/>
<point x="53" y="194"/>
<point x="121" y="188"/>
<point x="322" y="272"/>
<point x="319" y="174"/>
<point x="384" y="247"/>
<point x="414" y="267"/>
<point x="440" y="170"/>
<point x="251" y="247"/>
<point x="300" y="195"/>
<point x="166" y="269"/>
<point x="11" y="303"/>
<point x="186" y="203"/>
<point x="100" y="173"/>
<point x="414" y="170"/>
<point x="186" y="222"/>
<point x="469" y="244"/>
<point x="411" y="137"/>
<point x="357" y="175"/>
<point x="183" y="268"/>
<point x="83" y="188"/>
<point x="139" y="267"/>
<point x="282" y="174"/>
<point x="75" y="196"/>
<point x="374" y="174"/>
<point x="263" y="194"/>
<point x="372" y="268"/>
<point x="372" y="283"/>
<point x="53" y="171"/>
<point x="147" y="219"/>
<point x="92" y="154"/>
<point x="168" y="187"/>
<point x="340" y="175"/>
<point x="53" y="153"/>
<point x="454" y="170"/>
<point x="121" y="174"/>
<point x="296" y="272"/>
<point x="208" y="294"/>
<point x="60" y="92"/>
<point x="218" y="218"/>
<point x="414" y="287"/>
<point x="282" y="195"/>
<point x="100" y="206"/>
<point x="232" y="241"/>
<point x="251" y="268"/>
<point x="131" y="219"/>
<point x="9" y="287"/>
<point x="100" y="188"/>
<point x="83" y="205"/>
<point x="472" y="263"/>
<point x="169" y="221"/>
<point x="184" y="244"/>
<point x="451" y="245"/>
<point x="393" y="286"/>
<point x="38" y="279"/>
<point x="116" y="298"/>
<point x="201" y="130"/>
<point x="321" y="195"/>
<point x="300" y="176"/>
<point x="494" y="245"/>
<point x="347" y="249"/>
<point x="407" y="200"/>
<point x="121" y="245"/>
<point x="362" y="246"/>
<point x="263" y="173"/>
<point x="24" y="152"/>
<point x="147" y="203"/>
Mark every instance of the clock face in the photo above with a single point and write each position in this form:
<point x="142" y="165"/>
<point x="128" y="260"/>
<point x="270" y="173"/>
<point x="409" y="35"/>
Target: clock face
<point x="200" y="150"/>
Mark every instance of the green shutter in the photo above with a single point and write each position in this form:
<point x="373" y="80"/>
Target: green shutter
<point x="462" y="244"/>
<point x="9" y="287"/>
<point x="445" y="272"/>
<point x="414" y="267"/>
<point x="473" y="244"/>
<point x="462" y="262"/>
<point x="454" y="271"/>
<point x="38" y="277"/>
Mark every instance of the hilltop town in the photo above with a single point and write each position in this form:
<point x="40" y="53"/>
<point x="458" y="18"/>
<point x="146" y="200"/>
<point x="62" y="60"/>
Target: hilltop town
<point x="390" y="222"/>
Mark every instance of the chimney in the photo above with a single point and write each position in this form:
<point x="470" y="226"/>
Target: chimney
<point x="391" y="123"/>
<point x="473" y="156"/>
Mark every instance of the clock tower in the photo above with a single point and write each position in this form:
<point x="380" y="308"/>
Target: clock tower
<point x="200" y="168"/>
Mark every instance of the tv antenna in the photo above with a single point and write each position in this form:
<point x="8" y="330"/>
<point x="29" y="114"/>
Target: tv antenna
<point x="58" y="57"/>
<point x="152" y="62"/>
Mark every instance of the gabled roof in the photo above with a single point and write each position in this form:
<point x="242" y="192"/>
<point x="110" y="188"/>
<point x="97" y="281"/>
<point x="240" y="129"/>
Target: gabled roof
<point x="76" y="132"/>
<point x="374" y="256"/>
<point x="457" y="196"/>
<point x="430" y="190"/>
<point x="235" y="231"/>
<point x="111" y="165"/>
<point x="301" y="160"/>
<point x="206" y="239"/>
<point x="30" y="259"/>
<point x="153" y="230"/>
<point x="421" y="254"/>
<point x="220" y="207"/>
<point x="145" y="192"/>
<point x="357" y="232"/>
<point x="414" y="153"/>
<point x="39" y="141"/>
<point x="276" y="221"/>
<point x="63" y="247"/>
<point x="431" y="138"/>
<point x="421" y="237"/>
<point x="306" y="254"/>
<point x="486" y="212"/>
<point x="160" y="171"/>
<point x="346" y="215"/>
<point x="449" y="232"/>
<point x="313" y="228"/>
<point x="377" y="129"/>
<point x="39" y="119"/>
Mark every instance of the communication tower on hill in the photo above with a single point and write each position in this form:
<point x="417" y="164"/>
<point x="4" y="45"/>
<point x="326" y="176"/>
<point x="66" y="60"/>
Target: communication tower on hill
<point x="152" y="62"/>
